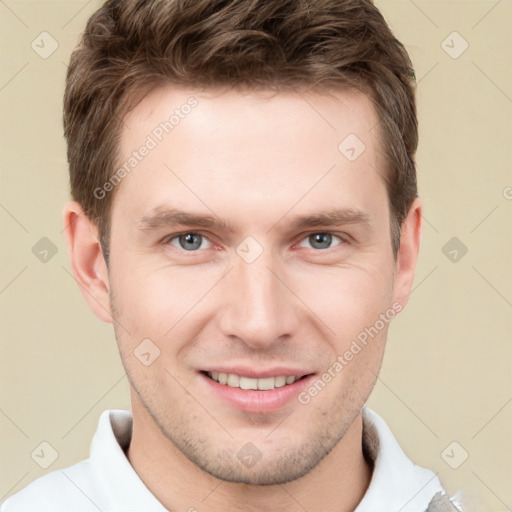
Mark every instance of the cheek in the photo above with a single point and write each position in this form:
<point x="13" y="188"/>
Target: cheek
<point x="347" y="300"/>
<point x="157" y="302"/>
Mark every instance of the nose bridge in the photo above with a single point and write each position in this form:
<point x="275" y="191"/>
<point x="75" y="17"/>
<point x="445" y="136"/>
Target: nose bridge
<point x="259" y="308"/>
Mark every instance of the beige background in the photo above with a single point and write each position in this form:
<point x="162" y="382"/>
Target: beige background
<point x="447" y="373"/>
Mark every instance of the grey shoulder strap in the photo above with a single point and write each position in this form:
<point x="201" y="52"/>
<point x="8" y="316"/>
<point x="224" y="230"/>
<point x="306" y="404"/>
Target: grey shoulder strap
<point x="441" y="503"/>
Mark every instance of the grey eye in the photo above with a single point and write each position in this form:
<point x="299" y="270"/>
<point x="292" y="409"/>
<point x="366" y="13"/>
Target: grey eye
<point x="188" y="241"/>
<point x="320" y="240"/>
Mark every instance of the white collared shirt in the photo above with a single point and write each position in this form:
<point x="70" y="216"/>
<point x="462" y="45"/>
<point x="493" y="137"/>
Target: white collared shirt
<point x="106" y="481"/>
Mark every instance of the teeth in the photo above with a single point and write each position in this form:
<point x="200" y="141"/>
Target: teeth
<point x="280" y="382"/>
<point x="233" y="380"/>
<point x="265" y="384"/>
<point x="247" y="383"/>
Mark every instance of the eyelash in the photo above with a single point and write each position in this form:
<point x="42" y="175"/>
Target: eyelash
<point x="342" y="239"/>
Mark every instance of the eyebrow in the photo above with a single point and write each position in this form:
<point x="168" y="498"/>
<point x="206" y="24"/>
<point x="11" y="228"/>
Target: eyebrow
<point x="333" y="217"/>
<point x="169" y="217"/>
<point x="172" y="217"/>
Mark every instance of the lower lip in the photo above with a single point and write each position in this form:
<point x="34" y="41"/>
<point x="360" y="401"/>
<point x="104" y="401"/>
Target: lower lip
<point x="256" y="401"/>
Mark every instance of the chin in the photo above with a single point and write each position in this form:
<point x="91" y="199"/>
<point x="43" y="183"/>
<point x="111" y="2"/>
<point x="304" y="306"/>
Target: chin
<point x="269" y="473"/>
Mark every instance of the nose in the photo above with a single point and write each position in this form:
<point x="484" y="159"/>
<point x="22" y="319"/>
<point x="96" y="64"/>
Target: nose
<point x="259" y="309"/>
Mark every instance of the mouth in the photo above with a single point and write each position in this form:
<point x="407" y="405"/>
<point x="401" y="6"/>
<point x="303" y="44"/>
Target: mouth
<point x="249" y="392"/>
<point x="262" y="384"/>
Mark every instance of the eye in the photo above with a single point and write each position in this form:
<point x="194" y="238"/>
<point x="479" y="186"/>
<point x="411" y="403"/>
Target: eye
<point x="189" y="241"/>
<point x="320" y="240"/>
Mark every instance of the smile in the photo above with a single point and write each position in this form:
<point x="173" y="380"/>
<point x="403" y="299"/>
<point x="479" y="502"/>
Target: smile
<point x="242" y="382"/>
<point x="259" y="391"/>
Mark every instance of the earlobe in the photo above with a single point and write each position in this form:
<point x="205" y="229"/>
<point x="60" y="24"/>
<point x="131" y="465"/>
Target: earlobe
<point x="86" y="259"/>
<point x="407" y="254"/>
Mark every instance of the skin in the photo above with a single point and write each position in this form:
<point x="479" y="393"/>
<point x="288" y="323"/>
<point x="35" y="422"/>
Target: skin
<point x="257" y="161"/>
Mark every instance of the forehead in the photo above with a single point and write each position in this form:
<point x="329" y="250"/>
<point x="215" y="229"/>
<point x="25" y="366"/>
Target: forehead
<point x="265" y="147"/>
<point x="325" y="109"/>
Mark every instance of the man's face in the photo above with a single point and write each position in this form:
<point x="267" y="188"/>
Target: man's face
<point x="256" y="291"/>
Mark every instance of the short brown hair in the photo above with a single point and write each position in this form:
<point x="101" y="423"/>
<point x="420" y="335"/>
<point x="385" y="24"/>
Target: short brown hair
<point x="131" y="46"/>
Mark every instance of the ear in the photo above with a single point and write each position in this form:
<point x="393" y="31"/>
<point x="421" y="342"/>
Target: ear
<point x="87" y="261"/>
<point x="407" y="254"/>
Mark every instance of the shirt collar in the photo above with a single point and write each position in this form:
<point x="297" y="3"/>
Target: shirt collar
<point x="397" y="484"/>
<point x="122" y="487"/>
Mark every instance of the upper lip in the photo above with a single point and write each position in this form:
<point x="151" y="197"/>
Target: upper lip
<point x="244" y="371"/>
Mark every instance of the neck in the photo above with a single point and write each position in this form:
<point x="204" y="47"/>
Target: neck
<point x="337" y="483"/>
